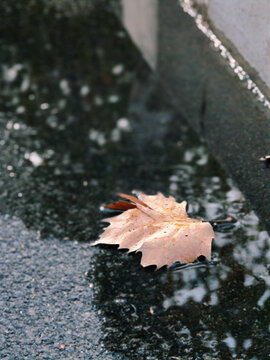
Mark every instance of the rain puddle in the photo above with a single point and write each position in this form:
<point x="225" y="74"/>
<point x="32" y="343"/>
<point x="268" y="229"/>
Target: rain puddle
<point x="83" y="119"/>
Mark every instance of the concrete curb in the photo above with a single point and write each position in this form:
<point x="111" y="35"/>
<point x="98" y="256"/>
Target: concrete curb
<point x="218" y="106"/>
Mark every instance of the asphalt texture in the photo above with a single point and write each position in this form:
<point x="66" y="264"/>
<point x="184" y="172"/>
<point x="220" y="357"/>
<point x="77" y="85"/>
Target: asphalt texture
<point x="46" y="301"/>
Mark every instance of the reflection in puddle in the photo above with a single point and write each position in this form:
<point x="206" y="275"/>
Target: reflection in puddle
<point x="218" y="309"/>
<point x="79" y="124"/>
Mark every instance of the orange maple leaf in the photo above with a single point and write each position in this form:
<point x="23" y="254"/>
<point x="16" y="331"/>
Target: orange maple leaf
<point x="159" y="228"/>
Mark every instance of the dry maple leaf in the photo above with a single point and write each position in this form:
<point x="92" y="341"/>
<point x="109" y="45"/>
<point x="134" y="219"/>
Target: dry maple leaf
<point x="159" y="228"/>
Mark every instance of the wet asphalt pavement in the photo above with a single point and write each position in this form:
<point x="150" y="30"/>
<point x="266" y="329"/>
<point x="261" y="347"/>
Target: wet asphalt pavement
<point x="46" y="300"/>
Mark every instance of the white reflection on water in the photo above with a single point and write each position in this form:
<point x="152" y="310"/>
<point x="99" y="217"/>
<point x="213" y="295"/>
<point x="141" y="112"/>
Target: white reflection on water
<point x="117" y="69"/>
<point x="249" y="280"/>
<point x="25" y="84"/>
<point x="123" y="124"/>
<point x="243" y="253"/>
<point x="64" y="86"/>
<point x="208" y="200"/>
<point x="247" y="343"/>
<point x="34" y="157"/>
<point x="113" y="99"/>
<point x="10" y="73"/>
<point x="264" y="298"/>
<point x="20" y="109"/>
<point x="84" y="91"/>
<point x="182" y="296"/>
<point x="97" y="136"/>
<point x="44" y="106"/>
<point x="230" y="341"/>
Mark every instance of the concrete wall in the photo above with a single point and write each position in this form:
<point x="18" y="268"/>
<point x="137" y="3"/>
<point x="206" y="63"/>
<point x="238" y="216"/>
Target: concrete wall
<point x="141" y="20"/>
<point x="202" y="85"/>
<point x="245" y="23"/>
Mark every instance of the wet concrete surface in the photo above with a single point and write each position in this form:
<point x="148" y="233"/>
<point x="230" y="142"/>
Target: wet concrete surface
<point x="80" y="121"/>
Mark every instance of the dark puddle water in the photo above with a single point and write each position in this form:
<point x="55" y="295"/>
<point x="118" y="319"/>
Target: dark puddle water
<point x="81" y="119"/>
